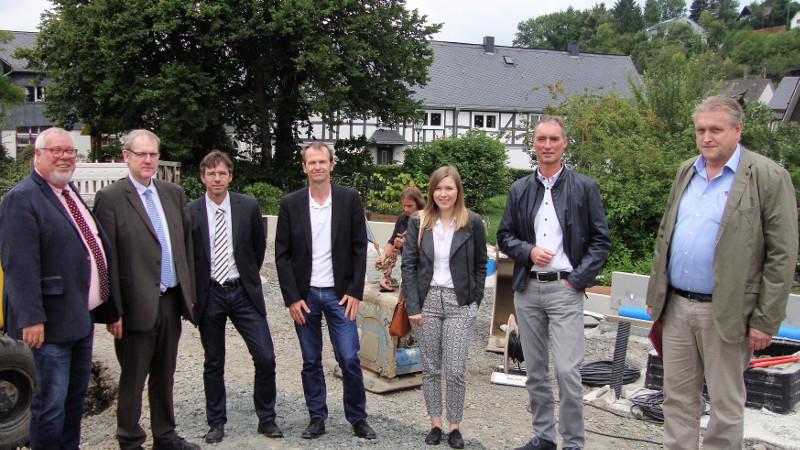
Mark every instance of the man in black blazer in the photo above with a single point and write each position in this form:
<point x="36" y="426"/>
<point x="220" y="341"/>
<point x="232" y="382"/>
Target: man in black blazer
<point x="55" y="260"/>
<point x="229" y="246"/>
<point x="148" y="225"/>
<point x="321" y="255"/>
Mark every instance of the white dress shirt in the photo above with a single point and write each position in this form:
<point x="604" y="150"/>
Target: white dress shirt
<point x="442" y="241"/>
<point x="321" y="262"/>
<point x="548" y="230"/>
<point x="211" y="213"/>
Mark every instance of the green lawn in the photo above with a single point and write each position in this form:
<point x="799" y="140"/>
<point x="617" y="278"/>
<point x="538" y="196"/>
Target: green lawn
<point x="492" y="211"/>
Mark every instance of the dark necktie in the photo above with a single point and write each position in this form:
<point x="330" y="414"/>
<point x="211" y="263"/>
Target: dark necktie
<point x="102" y="271"/>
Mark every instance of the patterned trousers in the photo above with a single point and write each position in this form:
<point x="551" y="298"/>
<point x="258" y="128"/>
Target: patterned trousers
<point x="444" y="342"/>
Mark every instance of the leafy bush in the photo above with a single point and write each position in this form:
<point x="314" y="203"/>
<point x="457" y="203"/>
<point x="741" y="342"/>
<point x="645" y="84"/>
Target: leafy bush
<point x="268" y="196"/>
<point x="479" y="158"/>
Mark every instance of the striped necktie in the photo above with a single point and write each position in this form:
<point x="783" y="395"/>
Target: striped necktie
<point x="155" y="219"/>
<point x="220" y="247"/>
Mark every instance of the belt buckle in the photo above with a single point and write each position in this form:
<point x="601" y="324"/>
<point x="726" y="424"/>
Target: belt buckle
<point x="539" y="279"/>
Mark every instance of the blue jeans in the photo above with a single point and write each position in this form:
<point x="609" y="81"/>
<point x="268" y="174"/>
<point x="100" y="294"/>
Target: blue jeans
<point x="252" y="326"/>
<point x="62" y="376"/>
<point x="344" y="338"/>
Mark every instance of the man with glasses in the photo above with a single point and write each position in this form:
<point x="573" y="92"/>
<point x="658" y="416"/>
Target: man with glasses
<point x="55" y="259"/>
<point x="229" y="247"/>
<point x="147" y="221"/>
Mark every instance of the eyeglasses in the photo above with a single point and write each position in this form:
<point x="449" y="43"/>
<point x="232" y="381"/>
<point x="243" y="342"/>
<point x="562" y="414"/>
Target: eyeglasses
<point x="60" y="151"/>
<point x="221" y="173"/>
<point x="144" y="155"/>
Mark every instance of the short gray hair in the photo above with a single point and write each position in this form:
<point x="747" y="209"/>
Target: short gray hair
<point x="43" y="135"/>
<point x="727" y="104"/>
<point x="549" y="118"/>
<point x="127" y="141"/>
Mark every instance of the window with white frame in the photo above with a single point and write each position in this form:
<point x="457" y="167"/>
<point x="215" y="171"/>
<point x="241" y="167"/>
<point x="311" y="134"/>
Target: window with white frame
<point x="34" y="94"/>
<point x="27" y="136"/>
<point x="433" y="119"/>
<point x="485" y="121"/>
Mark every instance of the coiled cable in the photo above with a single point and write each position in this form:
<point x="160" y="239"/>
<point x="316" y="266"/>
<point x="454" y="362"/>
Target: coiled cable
<point x="598" y="373"/>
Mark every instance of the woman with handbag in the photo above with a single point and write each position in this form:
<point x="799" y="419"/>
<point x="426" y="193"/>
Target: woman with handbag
<point x="444" y="271"/>
<point x="412" y="201"/>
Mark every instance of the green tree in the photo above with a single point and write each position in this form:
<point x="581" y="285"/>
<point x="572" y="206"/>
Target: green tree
<point x="334" y="59"/>
<point x="652" y="12"/>
<point x="671" y="9"/>
<point x="671" y="87"/>
<point x="136" y="64"/>
<point x="627" y="16"/>
<point x="622" y="147"/>
<point x="187" y="68"/>
<point x="554" y="31"/>
<point x="10" y="94"/>
<point x="697" y="8"/>
<point x="479" y="158"/>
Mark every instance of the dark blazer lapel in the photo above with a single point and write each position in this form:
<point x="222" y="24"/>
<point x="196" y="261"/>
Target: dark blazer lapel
<point x="202" y="225"/>
<point x="236" y="219"/>
<point x="336" y="210"/>
<point x="136" y="202"/>
<point x="48" y="193"/>
<point x="740" y="180"/>
<point x="305" y="217"/>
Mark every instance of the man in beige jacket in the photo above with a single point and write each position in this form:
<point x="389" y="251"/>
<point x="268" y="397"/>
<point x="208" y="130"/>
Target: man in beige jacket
<point x="722" y="270"/>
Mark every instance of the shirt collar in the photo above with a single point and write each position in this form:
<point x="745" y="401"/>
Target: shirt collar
<point x="225" y="205"/>
<point x="550" y="180"/>
<point x="732" y="164"/>
<point x="140" y="188"/>
<point x="313" y="203"/>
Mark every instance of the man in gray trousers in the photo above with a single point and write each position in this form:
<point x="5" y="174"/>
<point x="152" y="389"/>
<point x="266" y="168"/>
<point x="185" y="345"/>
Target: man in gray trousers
<point x="554" y="228"/>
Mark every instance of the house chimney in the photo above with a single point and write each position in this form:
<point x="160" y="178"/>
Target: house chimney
<point x="488" y="44"/>
<point x="574" y="49"/>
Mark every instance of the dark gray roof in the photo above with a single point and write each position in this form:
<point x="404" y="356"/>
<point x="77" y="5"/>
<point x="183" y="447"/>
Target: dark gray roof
<point x="750" y="90"/>
<point x="465" y="76"/>
<point x="783" y="94"/>
<point x="387" y="137"/>
<point x="22" y="39"/>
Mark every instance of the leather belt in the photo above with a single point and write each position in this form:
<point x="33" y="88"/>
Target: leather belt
<point x="172" y="290"/>
<point x="228" y="284"/>
<point x="543" y="277"/>
<point x="692" y="296"/>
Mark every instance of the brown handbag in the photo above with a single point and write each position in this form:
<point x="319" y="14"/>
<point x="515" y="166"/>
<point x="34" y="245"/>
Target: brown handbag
<point x="400" y="325"/>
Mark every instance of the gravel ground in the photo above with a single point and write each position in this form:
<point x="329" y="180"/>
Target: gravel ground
<point x="495" y="416"/>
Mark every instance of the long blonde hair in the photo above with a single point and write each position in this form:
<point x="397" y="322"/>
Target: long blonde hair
<point x="430" y="214"/>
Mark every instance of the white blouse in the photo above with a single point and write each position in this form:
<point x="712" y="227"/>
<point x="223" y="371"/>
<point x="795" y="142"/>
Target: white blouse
<point x="442" y="240"/>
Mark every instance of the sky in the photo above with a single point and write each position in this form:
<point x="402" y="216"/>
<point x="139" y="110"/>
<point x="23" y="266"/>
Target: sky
<point x="464" y="20"/>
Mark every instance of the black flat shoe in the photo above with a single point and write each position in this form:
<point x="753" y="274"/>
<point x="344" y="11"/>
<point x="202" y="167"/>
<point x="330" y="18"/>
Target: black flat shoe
<point x="363" y="430"/>
<point x="455" y="440"/>
<point x="434" y="436"/>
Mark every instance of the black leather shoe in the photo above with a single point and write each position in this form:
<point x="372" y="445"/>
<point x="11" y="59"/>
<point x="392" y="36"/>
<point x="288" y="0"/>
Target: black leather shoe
<point x="270" y="429"/>
<point x="315" y="428"/>
<point x="363" y="430"/>
<point x="455" y="440"/>
<point x="178" y="444"/>
<point x="434" y="436"/>
<point x="538" y="443"/>
<point x="215" y="433"/>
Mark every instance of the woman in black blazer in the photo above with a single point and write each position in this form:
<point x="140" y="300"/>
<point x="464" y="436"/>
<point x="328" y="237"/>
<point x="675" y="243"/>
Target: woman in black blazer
<point x="444" y="271"/>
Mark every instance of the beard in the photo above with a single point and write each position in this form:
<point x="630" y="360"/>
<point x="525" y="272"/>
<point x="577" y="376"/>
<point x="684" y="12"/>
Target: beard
<point x="58" y="178"/>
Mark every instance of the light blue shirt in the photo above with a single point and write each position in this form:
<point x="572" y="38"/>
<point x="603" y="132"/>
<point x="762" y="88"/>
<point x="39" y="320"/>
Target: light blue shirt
<point x="691" y="259"/>
<point x="140" y="188"/>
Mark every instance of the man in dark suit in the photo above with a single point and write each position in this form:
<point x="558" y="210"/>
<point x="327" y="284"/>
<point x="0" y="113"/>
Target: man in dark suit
<point x="147" y="222"/>
<point x="229" y="245"/>
<point x="321" y="254"/>
<point x="55" y="260"/>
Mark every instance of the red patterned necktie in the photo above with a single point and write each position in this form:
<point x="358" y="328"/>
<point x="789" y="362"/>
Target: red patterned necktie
<point x="96" y="253"/>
